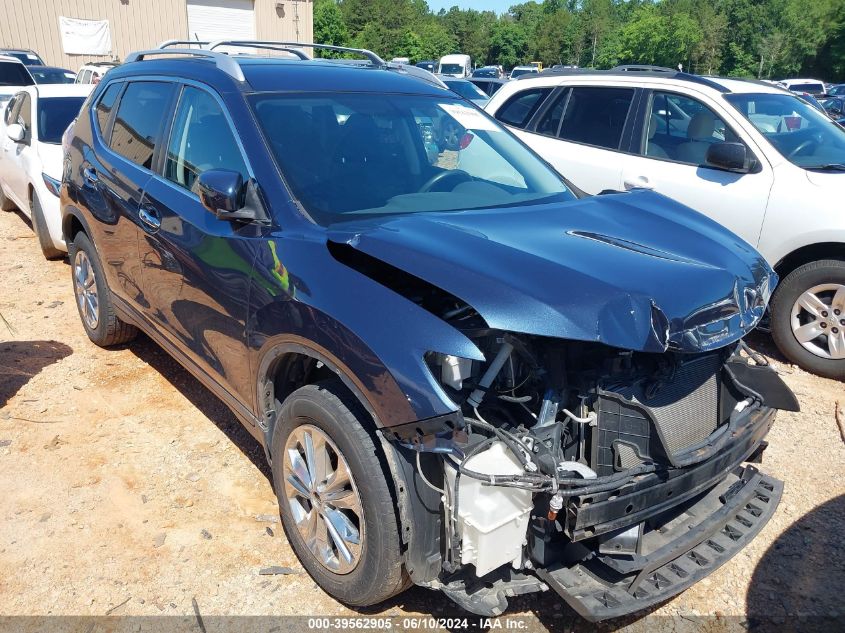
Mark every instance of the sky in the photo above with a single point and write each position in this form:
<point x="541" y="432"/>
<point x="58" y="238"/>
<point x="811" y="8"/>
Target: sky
<point x="499" y="6"/>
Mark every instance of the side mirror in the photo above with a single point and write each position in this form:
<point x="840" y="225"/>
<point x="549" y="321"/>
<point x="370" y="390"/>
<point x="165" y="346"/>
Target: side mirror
<point x="16" y="132"/>
<point x="729" y="156"/>
<point x="224" y="193"/>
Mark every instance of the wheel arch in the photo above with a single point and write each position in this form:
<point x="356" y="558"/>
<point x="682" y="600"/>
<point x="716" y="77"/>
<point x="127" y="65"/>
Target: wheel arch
<point x="288" y="365"/>
<point x="73" y="222"/>
<point x="809" y="253"/>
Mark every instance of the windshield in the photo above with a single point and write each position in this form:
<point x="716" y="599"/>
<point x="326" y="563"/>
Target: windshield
<point x="30" y="59"/>
<point x="52" y="76"/>
<point x="812" y="87"/>
<point x="14" y="74"/>
<point x="516" y="72"/>
<point x="803" y="135"/>
<point x="451" y="69"/>
<point x="54" y="115"/>
<point x="466" y="89"/>
<point x="363" y="155"/>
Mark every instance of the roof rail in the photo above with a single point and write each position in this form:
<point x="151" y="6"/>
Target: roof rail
<point x="642" y="72"/>
<point x="221" y="60"/>
<point x="642" y="68"/>
<point x="370" y="55"/>
<point x="169" y="43"/>
<point x="273" y="46"/>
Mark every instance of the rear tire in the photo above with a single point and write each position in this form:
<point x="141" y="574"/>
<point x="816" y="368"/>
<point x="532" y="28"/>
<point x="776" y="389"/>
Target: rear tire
<point x="327" y="411"/>
<point x="93" y="297"/>
<point x="820" y="280"/>
<point x="39" y="225"/>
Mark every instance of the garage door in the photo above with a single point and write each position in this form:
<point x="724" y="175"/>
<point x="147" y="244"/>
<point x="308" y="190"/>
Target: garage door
<point x="221" y="19"/>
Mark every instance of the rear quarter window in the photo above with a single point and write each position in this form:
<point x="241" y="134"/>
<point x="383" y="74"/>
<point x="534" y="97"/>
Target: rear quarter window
<point x="519" y="108"/>
<point x="104" y="107"/>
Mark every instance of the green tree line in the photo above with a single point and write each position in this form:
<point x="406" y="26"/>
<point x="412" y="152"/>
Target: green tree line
<point x="748" y="38"/>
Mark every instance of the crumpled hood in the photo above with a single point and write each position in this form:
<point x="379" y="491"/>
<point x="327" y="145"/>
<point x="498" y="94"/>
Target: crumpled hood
<point x="636" y="270"/>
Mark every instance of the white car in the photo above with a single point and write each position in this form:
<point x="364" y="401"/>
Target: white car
<point x="811" y="86"/>
<point x="13" y="76"/>
<point x="31" y="156"/>
<point x="519" y="71"/>
<point x="457" y="65"/>
<point x="750" y="155"/>
<point x="92" y="72"/>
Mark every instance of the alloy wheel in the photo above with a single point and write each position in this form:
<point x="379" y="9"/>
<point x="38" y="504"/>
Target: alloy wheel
<point x="85" y="287"/>
<point x="818" y="320"/>
<point x="323" y="499"/>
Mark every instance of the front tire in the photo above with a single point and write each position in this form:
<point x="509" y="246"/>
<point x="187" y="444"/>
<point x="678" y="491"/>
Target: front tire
<point x="93" y="297"/>
<point x="808" y="317"/>
<point x="336" y="506"/>
<point x="39" y="225"/>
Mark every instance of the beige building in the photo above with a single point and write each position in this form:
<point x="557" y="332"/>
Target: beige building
<point x="142" y="24"/>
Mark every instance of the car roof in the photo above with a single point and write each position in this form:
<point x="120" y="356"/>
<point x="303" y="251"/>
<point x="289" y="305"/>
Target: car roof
<point x="48" y="91"/>
<point x="645" y="78"/>
<point x="37" y="67"/>
<point x="800" y="80"/>
<point x="8" y="58"/>
<point x="269" y="74"/>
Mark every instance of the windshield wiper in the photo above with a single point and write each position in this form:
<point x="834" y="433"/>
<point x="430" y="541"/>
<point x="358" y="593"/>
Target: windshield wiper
<point x="827" y="167"/>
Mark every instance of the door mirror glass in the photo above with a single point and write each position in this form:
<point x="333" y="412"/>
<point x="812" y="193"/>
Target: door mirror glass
<point x="221" y="191"/>
<point x="16" y="132"/>
<point x="728" y="156"/>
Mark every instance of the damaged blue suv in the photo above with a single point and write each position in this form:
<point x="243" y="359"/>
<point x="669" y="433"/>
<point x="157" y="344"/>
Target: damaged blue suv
<point x="465" y="374"/>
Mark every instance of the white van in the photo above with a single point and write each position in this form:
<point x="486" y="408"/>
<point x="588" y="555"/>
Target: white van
<point x="455" y="66"/>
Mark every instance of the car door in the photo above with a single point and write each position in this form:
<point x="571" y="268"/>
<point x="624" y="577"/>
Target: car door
<point x="10" y="113"/>
<point x="580" y="130"/>
<point x="115" y="174"/>
<point x="196" y="267"/>
<point x="15" y="153"/>
<point x="669" y="155"/>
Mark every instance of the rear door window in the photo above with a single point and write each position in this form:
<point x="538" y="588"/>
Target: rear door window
<point x="14" y="74"/>
<point x="140" y="114"/>
<point x="518" y="110"/>
<point x="596" y="116"/>
<point x="550" y="122"/>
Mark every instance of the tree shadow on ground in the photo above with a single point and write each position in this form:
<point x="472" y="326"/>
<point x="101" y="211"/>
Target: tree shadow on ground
<point x="203" y="399"/>
<point x="798" y="584"/>
<point x="21" y="360"/>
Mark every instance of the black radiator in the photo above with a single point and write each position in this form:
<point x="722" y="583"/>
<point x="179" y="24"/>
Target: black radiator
<point x="654" y="419"/>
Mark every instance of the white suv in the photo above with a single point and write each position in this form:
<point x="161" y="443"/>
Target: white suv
<point x="752" y="156"/>
<point x="31" y="156"/>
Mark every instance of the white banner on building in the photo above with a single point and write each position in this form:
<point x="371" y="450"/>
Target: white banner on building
<point x="85" y="37"/>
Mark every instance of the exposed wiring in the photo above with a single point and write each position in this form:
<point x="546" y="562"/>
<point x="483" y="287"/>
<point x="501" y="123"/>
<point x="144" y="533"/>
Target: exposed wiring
<point x="590" y="419"/>
<point x="425" y="480"/>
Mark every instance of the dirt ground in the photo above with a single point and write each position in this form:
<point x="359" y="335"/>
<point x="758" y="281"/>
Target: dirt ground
<point x="126" y="488"/>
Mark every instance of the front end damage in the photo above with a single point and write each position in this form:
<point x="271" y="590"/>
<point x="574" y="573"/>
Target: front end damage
<point x="616" y="478"/>
<point x="600" y="437"/>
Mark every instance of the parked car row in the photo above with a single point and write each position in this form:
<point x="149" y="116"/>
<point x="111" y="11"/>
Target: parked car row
<point x="480" y="354"/>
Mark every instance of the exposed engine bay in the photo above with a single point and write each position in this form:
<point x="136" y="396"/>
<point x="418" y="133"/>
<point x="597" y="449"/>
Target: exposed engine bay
<point x="574" y="462"/>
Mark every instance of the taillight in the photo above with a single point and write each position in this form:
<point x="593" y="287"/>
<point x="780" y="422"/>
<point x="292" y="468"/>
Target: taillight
<point x="466" y="139"/>
<point x="53" y="186"/>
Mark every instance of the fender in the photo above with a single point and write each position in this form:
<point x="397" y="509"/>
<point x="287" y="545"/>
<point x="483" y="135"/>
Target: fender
<point x="277" y="347"/>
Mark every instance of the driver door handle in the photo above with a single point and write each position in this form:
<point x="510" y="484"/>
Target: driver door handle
<point x="150" y="217"/>
<point x="637" y="182"/>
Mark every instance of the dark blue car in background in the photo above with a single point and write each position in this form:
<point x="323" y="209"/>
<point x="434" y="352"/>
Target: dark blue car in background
<point x="476" y="380"/>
